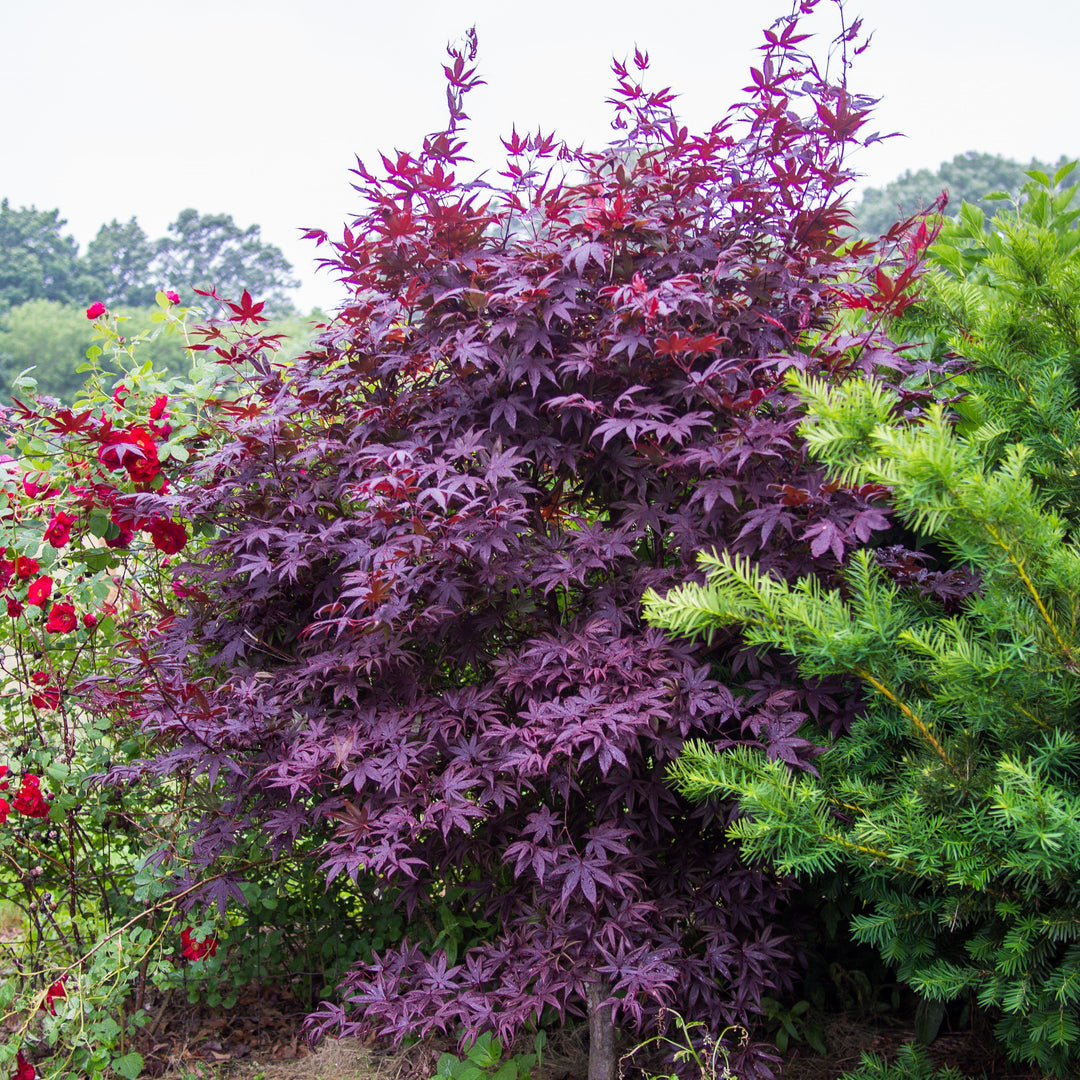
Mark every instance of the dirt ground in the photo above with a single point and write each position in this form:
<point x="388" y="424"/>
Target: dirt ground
<point x="846" y="1040"/>
<point x="260" y="1039"/>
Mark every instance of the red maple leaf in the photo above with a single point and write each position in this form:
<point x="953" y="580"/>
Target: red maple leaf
<point x="246" y="310"/>
<point x="67" y="423"/>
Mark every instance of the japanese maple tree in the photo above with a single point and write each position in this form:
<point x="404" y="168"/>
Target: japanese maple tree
<point x="417" y="627"/>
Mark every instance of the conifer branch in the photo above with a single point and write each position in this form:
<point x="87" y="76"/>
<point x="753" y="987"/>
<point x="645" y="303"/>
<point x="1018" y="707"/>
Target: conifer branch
<point x="1018" y="563"/>
<point x="972" y="872"/>
<point x="923" y="730"/>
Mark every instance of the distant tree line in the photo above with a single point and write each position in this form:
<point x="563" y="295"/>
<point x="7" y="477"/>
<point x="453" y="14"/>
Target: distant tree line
<point x="967" y="178"/>
<point x="122" y="265"/>
<point x="46" y="283"/>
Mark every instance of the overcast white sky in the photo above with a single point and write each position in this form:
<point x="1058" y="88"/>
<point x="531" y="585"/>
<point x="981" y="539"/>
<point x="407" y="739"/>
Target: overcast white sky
<point x="130" y="107"/>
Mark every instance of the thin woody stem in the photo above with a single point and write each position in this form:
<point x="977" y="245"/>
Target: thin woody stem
<point x="920" y="726"/>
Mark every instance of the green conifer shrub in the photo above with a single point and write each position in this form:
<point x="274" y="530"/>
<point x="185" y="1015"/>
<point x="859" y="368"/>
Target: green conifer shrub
<point x="910" y="1064"/>
<point x="1006" y="294"/>
<point x="954" y="803"/>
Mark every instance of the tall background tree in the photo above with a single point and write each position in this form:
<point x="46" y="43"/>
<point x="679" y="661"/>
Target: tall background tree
<point x="212" y="251"/>
<point x="118" y="263"/>
<point x="38" y="261"/>
<point x="50" y="337"/>
<point x="46" y="284"/>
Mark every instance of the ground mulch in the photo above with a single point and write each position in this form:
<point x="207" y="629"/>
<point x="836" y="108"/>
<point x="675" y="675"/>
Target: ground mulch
<point x="262" y="1028"/>
<point x="260" y="1037"/>
<point x="846" y="1040"/>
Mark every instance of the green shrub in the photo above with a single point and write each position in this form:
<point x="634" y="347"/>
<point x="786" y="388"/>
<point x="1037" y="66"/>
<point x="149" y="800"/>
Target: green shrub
<point x="485" y="1058"/>
<point x="954" y="803"/>
<point x="910" y="1064"/>
<point x="96" y="930"/>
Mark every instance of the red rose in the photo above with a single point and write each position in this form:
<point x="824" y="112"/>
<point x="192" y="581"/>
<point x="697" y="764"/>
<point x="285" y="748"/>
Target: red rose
<point x="172" y="297"/>
<point x="33" y="488"/>
<point x="157" y="410"/>
<point x="122" y="540"/>
<point x="39" y="678"/>
<point x="25" y="567"/>
<point x="167" y="535"/>
<point x="196" y="950"/>
<point x="29" y="801"/>
<point x="39" y="591"/>
<point x="49" y="698"/>
<point x="5" y="809"/>
<point x="89" y="620"/>
<point x="58" y="531"/>
<point x="55" y="991"/>
<point x="61" y="619"/>
<point x="133" y="449"/>
<point x="95" y="311"/>
<point x="24" y="1070"/>
<point x="187" y="943"/>
<point x="14" y="607"/>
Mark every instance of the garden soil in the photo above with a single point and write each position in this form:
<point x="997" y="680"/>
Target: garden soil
<point x="260" y="1039"/>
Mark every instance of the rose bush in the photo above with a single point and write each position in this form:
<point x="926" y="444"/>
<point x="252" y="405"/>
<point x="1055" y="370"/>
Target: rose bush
<point x="84" y="575"/>
<point x="87" y="539"/>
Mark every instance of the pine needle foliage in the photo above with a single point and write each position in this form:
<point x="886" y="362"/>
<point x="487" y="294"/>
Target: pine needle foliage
<point x="953" y="805"/>
<point x="1005" y="293"/>
<point x="911" y="1063"/>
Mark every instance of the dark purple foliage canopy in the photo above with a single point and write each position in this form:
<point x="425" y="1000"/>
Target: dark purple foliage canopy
<point x="417" y="627"/>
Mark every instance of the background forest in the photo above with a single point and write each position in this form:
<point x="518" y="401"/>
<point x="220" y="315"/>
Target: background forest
<point x="45" y="281"/>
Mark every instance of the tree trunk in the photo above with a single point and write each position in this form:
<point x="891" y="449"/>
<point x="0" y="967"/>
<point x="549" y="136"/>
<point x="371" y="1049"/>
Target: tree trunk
<point x="602" y="1062"/>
